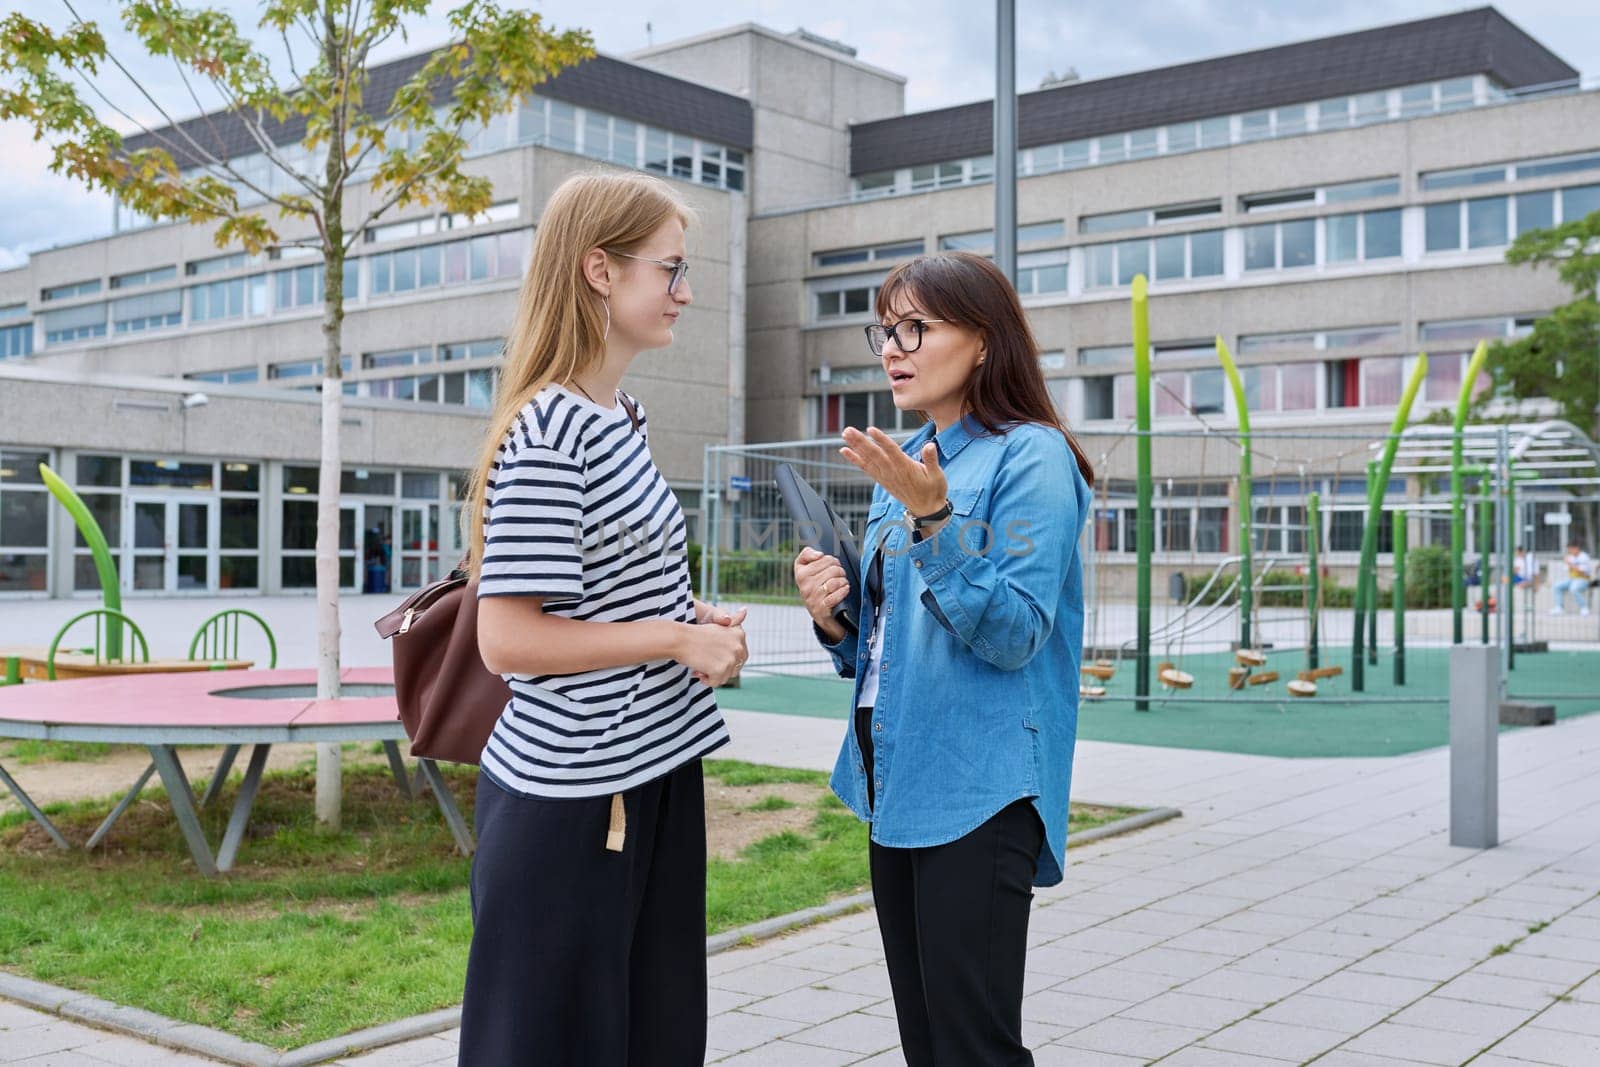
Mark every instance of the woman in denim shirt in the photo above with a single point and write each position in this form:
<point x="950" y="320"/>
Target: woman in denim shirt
<point x="966" y="663"/>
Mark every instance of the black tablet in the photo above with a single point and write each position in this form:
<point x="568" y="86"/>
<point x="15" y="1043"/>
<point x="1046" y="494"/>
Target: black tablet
<point x="817" y="525"/>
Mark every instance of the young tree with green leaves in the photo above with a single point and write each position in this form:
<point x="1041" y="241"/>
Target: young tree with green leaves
<point x="320" y="132"/>
<point x="1560" y="359"/>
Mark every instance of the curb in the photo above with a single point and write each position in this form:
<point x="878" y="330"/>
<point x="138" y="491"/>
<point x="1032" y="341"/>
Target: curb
<point x="217" y="1045"/>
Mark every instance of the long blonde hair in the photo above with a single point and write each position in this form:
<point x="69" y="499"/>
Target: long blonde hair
<point x="559" y="330"/>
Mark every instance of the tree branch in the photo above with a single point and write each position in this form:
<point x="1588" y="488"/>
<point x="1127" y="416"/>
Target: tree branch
<point x="405" y="186"/>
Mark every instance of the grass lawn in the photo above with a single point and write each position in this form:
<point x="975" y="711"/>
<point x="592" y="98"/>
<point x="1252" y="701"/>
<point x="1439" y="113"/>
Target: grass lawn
<point x="314" y="935"/>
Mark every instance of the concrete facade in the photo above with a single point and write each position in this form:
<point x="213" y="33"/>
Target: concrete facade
<point x="795" y="224"/>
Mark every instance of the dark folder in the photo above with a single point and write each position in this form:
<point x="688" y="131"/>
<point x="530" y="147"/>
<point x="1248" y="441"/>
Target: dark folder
<point x="819" y="526"/>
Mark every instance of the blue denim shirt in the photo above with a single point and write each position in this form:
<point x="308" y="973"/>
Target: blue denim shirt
<point x="977" y="701"/>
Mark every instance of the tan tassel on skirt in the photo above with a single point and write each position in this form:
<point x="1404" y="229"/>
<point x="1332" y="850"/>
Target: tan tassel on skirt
<point x="619" y="824"/>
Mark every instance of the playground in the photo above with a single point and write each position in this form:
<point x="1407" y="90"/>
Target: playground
<point x="1253" y="586"/>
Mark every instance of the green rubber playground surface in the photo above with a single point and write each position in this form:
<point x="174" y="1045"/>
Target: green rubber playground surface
<point x="1264" y="720"/>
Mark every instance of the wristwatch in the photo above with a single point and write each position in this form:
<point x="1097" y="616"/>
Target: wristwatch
<point x="923" y="522"/>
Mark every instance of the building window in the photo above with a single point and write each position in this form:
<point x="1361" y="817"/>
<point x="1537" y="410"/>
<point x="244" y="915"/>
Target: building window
<point x="16" y="341"/>
<point x="1130" y="220"/>
<point x="237" y="376"/>
<point x="868" y="253"/>
<point x="24" y="523"/>
<point x="841" y="298"/>
<point x="474" y="259"/>
<point x="1174" y="258"/>
<point x="1281" y="245"/>
<point x="74" y="324"/>
<point x="1105" y="355"/>
<point x="862" y="410"/>
<point x="1042" y="272"/>
<point x="219" y="264"/>
<point x="70" y="290"/>
<point x="1362" y="237"/>
<point x="140" y="278"/>
<point x="471" y="350"/>
<point x="153" y="311"/>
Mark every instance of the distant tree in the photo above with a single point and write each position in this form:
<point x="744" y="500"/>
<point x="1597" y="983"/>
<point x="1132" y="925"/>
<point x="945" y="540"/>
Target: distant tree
<point x="1560" y="359"/>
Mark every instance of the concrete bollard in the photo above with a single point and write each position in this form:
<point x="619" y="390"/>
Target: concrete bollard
<point x="1474" y="746"/>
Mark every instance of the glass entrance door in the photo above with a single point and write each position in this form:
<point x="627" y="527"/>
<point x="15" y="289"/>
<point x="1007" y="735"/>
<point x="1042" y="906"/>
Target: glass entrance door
<point x="169" y="545"/>
<point x="419" y="545"/>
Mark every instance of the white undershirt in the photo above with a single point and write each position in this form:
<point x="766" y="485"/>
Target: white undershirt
<point x="869" y="684"/>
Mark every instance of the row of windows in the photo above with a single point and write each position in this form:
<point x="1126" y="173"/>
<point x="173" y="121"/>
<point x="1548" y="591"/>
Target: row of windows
<point x="1290" y="245"/>
<point x="443" y="222"/>
<point x="1524" y="170"/>
<point x="1493" y="221"/>
<point x="1199" y="528"/>
<point x="472" y="259"/>
<point x="1289" y="120"/>
<point x="537" y="121"/>
<point x="1372" y="382"/>
<point x="1390" y="335"/>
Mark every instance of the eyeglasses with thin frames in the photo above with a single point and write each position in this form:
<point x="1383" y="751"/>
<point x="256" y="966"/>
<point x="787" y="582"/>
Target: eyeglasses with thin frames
<point x="908" y="342"/>
<point x="678" y="267"/>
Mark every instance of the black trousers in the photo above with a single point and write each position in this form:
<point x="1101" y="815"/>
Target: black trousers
<point x="954" y="921"/>
<point x="582" y="957"/>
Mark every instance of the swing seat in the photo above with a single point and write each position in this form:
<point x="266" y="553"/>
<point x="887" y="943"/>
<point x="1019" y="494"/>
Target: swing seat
<point x="1251" y="657"/>
<point x="1173" y="678"/>
<point x="1264" y="677"/>
<point x="1102" y="669"/>
<point x="1300" y="687"/>
<point x="1326" y="672"/>
<point x="1236" y="677"/>
<point x="1091" y="692"/>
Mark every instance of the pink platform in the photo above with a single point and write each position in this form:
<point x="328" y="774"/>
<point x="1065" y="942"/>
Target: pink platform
<point x="146" y="701"/>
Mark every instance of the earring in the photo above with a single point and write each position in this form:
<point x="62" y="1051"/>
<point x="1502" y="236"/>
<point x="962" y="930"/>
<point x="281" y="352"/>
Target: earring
<point x="606" y="303"/>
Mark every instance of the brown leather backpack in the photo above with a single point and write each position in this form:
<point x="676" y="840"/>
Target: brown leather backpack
<point x="449" y="701"/>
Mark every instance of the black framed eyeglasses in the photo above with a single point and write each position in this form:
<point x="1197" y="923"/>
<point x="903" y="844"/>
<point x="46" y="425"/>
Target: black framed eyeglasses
<point x="907" y="335"/>
<point x="678" y="267"/>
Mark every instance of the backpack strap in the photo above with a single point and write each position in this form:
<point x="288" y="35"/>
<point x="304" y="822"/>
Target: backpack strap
<point x="633" y="412"/>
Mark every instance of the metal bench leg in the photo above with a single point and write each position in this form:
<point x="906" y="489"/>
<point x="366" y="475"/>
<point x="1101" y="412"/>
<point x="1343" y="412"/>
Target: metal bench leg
<point x="241" y="807"/>
<point x="33" y="809"/>
<point x="181" y="798"/>
<point x="447" y="806"/>
<point x="213" y="790"/>
<point x="397" y="767"/>
<point x="122" y="806"/>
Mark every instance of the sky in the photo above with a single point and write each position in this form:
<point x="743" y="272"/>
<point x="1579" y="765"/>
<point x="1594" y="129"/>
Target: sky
<point x="945" y="48"/>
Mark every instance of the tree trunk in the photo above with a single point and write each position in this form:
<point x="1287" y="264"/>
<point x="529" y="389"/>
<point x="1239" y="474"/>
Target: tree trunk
<point x="329" y="772"/>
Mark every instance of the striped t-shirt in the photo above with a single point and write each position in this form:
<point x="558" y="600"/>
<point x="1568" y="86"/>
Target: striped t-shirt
<point x="578" y="514"/>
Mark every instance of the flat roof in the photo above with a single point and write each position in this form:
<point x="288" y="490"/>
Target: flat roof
<point x="604" y="83"/>
<point x="1478" y="41"/>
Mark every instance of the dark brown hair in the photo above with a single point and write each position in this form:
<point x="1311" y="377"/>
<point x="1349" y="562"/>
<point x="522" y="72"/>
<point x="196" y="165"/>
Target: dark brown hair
<point x="1008" y="388"/>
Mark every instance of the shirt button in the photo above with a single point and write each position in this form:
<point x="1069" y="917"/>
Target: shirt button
<point x="917" y="563"/>
<point x="878" y="726"/>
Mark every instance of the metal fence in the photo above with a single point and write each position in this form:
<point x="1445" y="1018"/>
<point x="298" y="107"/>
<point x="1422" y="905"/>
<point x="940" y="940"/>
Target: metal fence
<point x="1198" y="566"/>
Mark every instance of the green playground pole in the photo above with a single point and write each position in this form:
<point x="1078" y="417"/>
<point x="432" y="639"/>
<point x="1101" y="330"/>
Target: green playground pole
<point x="1144" y="522"/>
<point x="105" y="567"/>
<point x="1458" y="499"/>
<point x="1485" y="546"/>
<point x="1246" y="495"/>
<point x="1372" y="576"/>
<point x="1369" y="533"/>
<point x="1314" y="587"/>
<point x="1399" y="597"/>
